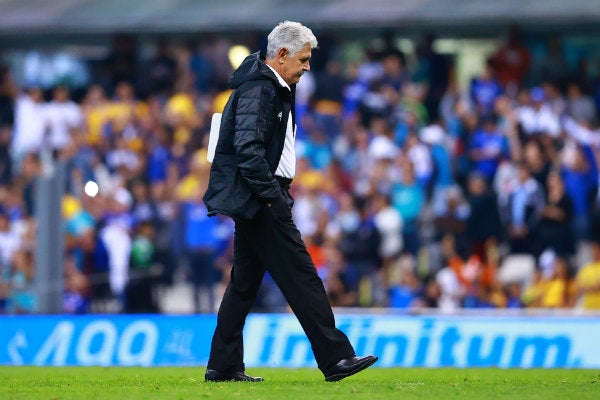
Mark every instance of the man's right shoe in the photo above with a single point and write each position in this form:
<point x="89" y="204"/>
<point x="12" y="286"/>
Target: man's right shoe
<point x="348" y="366"/>
<point x="217" y="376"/>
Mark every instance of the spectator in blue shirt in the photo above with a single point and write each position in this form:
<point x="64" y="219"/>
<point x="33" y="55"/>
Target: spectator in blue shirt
<point x="526" y="204"/>
<point x="159" y="159"/>
<point x="408" y="197"/>
<point x="580" y="174"/>
<point x="204" y="239"/>
<point x="487" y="147"/>
<point x="316" y="147"/>
<point x="484" y="91"/>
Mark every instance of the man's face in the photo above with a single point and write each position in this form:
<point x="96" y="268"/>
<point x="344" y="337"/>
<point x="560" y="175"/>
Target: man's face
<point x="294" y="66"/>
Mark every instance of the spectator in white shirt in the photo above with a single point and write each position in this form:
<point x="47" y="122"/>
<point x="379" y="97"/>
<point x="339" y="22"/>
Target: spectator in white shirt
<point x="389" y="224"/>
<point x="64" y="116"/>
<point x="30" y="123"/>
<point x="10" y="242"/>
<point x="451" y="289"/>
<point x="538" y="117"/>
<point x="419" y="154"/>
<point x="117" y="239"/>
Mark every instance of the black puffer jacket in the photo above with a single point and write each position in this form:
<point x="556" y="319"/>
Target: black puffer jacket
<point x="251" y="140"/>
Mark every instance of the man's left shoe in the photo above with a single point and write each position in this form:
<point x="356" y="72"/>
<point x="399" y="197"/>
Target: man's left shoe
<point x="348" y="366"/>
<point x="216" y="376"/>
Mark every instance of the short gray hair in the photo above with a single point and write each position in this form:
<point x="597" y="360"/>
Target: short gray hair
<point x="290" y="35"/>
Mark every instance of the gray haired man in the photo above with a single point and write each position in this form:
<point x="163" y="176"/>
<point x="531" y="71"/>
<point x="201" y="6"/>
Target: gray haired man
<point x="252" y="170"/>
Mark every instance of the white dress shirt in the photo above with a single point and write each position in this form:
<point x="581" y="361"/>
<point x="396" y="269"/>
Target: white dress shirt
<point x="287" y="163"/>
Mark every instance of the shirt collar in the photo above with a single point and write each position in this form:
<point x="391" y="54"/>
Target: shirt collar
<point x="279" y="78"/>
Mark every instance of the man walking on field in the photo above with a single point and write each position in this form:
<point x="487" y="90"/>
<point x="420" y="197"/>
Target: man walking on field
<point x="253" y="168"/>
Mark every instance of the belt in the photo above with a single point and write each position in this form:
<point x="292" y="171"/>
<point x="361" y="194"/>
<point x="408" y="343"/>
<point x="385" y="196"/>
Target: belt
<point x="284" y="183"/>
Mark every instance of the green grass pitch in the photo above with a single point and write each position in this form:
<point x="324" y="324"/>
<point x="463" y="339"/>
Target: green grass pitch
<point x="48" y="383"/>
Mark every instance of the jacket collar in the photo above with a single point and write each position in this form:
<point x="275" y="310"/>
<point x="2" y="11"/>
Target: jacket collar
<point x="279" y="78"/>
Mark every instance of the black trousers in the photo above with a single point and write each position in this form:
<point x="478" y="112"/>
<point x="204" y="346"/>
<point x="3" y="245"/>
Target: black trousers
<point x="271" y="241"/>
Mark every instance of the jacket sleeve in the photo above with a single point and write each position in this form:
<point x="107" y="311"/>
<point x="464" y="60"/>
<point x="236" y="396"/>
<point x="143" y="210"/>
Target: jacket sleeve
<point x="251" y="122"/>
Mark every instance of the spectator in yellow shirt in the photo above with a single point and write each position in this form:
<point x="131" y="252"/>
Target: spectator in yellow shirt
<point x="588" y="280"/>
<point x="559" y="290"/>
<point x="532" y="294"/>
<point x="192" y="186"/>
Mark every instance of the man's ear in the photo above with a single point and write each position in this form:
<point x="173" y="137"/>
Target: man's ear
<point x="282" y="54"/>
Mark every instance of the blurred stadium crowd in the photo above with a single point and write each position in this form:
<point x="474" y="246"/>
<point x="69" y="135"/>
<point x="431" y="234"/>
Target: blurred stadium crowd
<point x="410" y="191"/>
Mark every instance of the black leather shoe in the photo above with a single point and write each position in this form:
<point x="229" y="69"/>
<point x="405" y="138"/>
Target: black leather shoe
<point x="216" y="376"/>
<point x="348" y="366"/>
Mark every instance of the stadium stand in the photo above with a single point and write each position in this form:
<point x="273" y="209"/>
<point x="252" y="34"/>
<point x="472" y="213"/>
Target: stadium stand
<point x="413" y="189"/>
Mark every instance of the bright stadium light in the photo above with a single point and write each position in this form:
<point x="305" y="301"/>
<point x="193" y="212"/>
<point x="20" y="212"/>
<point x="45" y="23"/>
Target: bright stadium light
<point x="91" y="188"/>
<point x="237" y="54"/>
